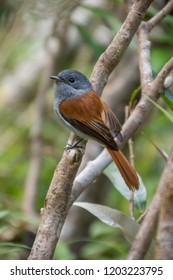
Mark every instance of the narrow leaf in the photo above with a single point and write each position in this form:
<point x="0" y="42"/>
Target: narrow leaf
<point x="14" y="245"/>
<point x="161" y="151"/>
<point x="134" y="95"/>
<point x="169" y="115"/>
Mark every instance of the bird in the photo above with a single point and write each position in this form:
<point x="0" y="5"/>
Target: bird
<point x="79" y="107"/>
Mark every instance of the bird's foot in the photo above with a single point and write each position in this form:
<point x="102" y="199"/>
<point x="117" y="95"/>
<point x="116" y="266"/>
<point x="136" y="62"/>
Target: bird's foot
<point x="74" y="146"/>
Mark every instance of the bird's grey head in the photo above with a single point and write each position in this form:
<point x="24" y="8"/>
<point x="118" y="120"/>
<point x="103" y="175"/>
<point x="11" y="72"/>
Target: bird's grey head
<point x="70" y="83"/>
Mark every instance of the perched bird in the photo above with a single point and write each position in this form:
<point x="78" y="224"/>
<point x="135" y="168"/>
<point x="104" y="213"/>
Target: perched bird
<point x="86" y="114"/>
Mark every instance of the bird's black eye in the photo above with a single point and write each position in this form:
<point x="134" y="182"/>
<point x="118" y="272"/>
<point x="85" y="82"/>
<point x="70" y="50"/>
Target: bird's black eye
<point x="71" y="80"/>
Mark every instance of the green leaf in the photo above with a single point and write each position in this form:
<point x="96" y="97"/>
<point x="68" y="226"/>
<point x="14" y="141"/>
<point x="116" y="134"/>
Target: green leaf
<point x="14" y="245"/>
<point x="134" y="95"/>
<point x="115" y="177"/>
<point x="169" y="115"/>
<point x="113" y="218"/>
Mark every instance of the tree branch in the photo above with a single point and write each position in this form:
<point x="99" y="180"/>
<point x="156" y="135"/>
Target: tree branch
<point x="144" y="56"/>
<point x="165" y="228"/>
<point x="54" y="212"/>
<point x="148" y="226"/>
<point x="159" y="81"/>
<point x="160" y="15"/>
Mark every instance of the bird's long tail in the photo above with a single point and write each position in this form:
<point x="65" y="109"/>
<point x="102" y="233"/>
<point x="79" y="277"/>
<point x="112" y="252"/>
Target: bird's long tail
<point x="127" y="171"/>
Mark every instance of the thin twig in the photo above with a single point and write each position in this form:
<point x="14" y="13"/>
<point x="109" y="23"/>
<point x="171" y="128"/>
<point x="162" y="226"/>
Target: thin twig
<point x="142" y="217"/>
<point x="131" y="159"/>
<point x="160" y="78"/>
<point x="160" y="15"/>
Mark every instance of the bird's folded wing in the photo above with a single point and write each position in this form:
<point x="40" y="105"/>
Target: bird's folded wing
<point x="94" y="129"/>
<point x="112" y="122"/>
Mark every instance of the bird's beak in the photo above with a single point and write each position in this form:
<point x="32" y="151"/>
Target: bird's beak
<point x="56" y="78"/>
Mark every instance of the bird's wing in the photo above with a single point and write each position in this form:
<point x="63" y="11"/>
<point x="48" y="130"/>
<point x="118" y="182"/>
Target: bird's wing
<point x="112" y="122"/>
<point x="94" y="129"/>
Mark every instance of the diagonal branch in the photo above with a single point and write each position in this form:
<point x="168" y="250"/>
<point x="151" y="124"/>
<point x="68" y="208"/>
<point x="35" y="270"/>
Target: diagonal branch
<point x="160" y="15"/>
<point x="159" y="81"/>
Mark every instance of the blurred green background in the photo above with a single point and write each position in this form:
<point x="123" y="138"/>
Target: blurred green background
<point x="38" y="39"/>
